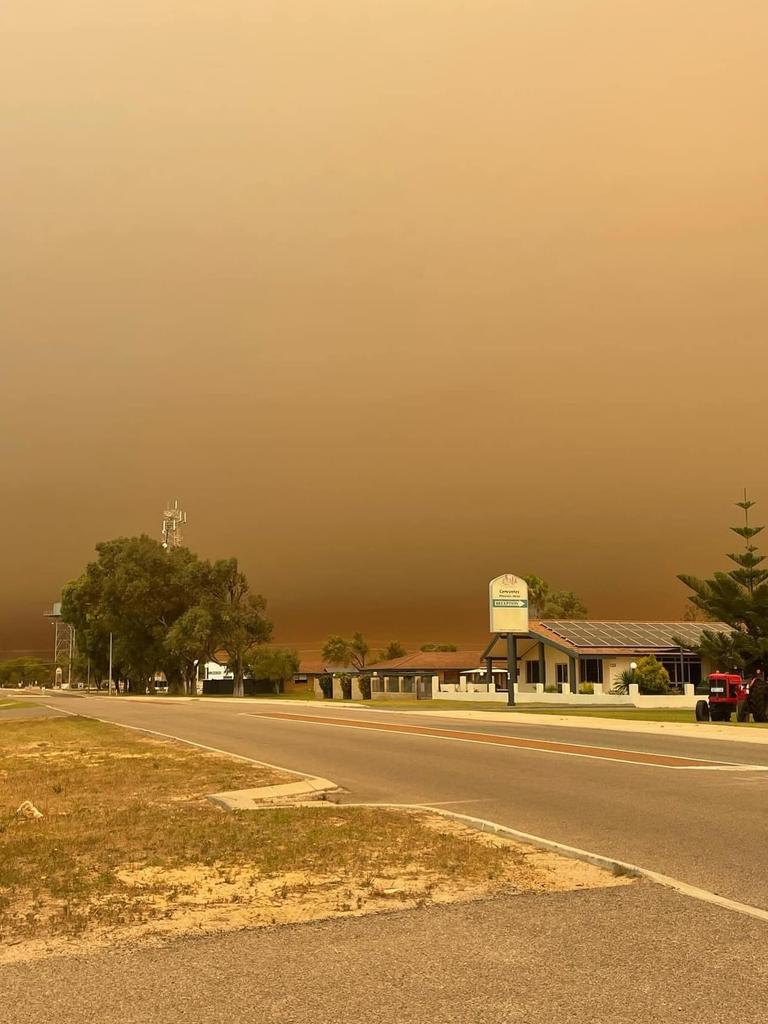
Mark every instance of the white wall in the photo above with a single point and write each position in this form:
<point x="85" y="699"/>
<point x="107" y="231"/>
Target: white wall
<point x="567" y="699"/>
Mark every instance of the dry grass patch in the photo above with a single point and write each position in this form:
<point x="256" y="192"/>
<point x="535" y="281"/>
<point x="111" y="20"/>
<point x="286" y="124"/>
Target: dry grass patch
<point x="8" y="704"/>
<point x="128" y="845"/>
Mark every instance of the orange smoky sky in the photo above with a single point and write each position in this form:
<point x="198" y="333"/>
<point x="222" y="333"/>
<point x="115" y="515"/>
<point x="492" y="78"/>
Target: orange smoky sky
<point x="394" y="296"/>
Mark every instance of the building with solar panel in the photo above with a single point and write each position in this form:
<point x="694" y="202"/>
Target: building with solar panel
<point x="576" y="652"/>
<point x="556" y="657"/>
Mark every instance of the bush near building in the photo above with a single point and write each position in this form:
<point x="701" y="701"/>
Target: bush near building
<point x="650" y="675"/>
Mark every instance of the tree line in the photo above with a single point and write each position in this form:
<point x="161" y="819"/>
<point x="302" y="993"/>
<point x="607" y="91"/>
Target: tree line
<point x="24" y="670"/>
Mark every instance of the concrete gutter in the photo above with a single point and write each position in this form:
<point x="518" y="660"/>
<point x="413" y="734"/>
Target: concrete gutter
<point x="288" y="792"/>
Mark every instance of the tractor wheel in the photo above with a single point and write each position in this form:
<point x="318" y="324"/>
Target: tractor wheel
<point x="702" y="711"/>
<point x="742" y="711"/>
<point x="758" y="692"/>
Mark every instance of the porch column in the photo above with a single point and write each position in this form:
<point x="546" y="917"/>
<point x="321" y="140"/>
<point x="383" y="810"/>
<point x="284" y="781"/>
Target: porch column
<point x="542" y="665"/>
<point x="573" y="679"/>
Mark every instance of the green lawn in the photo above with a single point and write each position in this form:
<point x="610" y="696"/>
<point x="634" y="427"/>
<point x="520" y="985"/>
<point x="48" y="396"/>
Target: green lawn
<point x="635" y="715"/>
<point x="5" y="704"/>
<point x="410" y="704"/>
<point x="628" y="714"/>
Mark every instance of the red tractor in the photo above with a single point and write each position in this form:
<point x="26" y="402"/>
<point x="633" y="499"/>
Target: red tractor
<point x="727" y="693"/>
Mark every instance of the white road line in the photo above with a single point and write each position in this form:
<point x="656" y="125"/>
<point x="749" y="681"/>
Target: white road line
<point x="394" y="730"/>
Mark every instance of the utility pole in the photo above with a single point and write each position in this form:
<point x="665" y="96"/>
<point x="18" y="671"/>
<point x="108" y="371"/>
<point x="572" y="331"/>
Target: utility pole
<point x="110" y="664"/>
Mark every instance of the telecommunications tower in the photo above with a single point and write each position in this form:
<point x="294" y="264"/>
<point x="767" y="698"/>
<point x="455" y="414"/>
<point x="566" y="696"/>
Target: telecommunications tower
<point x="173" y="520"/>
<point x="64" y="645"/>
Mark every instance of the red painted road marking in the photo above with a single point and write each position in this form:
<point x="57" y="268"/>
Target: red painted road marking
<point x="519" y="742"/>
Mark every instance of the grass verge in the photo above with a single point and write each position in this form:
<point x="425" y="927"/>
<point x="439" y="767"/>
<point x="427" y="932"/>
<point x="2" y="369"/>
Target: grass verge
<point x="684" y="715"/>
<point x="129" y="846"/>
<point x="628" y="714"/>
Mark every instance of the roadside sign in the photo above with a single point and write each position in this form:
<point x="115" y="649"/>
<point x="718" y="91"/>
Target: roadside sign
<point x="508" y="601"/>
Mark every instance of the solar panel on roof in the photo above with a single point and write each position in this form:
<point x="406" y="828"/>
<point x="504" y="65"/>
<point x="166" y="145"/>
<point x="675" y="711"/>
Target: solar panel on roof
<point x="585" y="633"/>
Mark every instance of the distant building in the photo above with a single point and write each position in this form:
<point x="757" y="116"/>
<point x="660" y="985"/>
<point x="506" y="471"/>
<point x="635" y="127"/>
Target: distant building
<point x="217" y="678"/>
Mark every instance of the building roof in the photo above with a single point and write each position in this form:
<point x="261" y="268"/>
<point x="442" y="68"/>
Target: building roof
<point x="605" y="637"/>
<point x="430" y="660"/>
<point x="318" y="667"/>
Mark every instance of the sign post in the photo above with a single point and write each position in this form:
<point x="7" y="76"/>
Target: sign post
<point x="508" y="601"/>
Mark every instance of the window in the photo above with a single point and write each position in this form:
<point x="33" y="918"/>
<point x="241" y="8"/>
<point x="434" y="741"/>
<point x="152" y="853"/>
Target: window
<point x="532" y="673"/>
<point x="393" y="684"/>
<point x="592" y="670"/>
<point x="561" y="672"/>
<point x="687" y="670"/>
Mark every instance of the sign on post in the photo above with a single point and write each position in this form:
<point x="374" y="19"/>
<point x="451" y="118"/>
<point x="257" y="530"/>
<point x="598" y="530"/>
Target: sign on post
<point x="508" y="599"/>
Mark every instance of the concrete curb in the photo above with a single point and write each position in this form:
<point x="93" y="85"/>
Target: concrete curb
<point x="250" y="799"/>
<point x="618" y="867"/>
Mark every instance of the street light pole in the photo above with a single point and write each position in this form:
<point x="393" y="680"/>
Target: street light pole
<point x="110" y="664"/>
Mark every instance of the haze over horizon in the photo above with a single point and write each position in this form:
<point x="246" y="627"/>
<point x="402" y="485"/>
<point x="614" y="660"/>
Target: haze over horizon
<point x="394" y="297"/>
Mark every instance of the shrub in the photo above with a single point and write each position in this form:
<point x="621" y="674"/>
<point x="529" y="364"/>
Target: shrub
<point x="650" y="676"/>
<point x="365" y="687"/>
<point x="346" y="688"/>
<point x="551" y="688"/>
<point x="326" y="685"/>
<point x="622" y="683"/>
<point x="586" y="687"/>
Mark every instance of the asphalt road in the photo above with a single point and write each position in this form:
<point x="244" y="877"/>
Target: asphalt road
<point x="634" y="955"/>
<point x="708" y="828"/>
